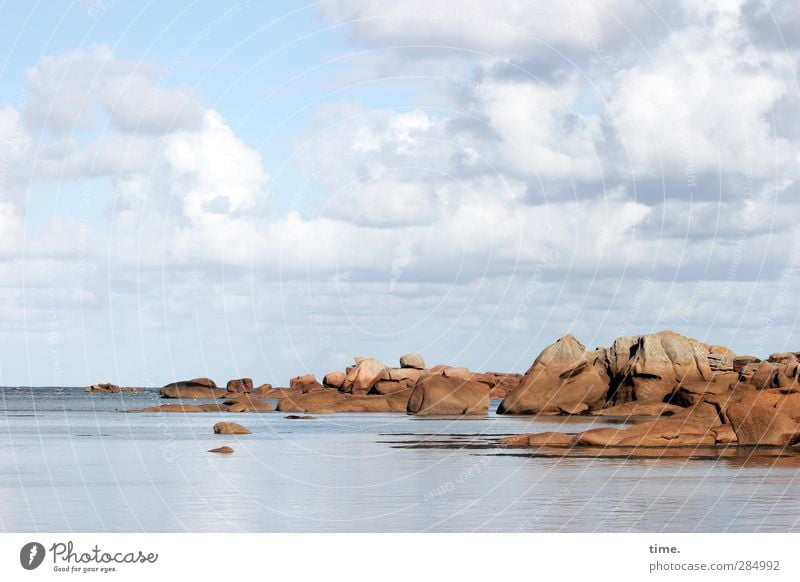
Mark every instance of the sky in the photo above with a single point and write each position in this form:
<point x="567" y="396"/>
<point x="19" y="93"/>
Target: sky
<point x="265" y="189"/>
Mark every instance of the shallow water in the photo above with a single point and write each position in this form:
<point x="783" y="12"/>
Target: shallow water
<point x="71" y="461"/>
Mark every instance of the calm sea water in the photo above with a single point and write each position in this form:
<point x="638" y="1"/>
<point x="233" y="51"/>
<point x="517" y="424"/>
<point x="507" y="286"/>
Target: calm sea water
<point x="71" y="461"/>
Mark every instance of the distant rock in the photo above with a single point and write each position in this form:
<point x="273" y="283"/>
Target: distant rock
<point x="111" y="389"/>
<point x="412" y="361"/>
<point x="299" y="417"/>
<point x="441" y="395"/>
<point x="230" y="428"/>
<point x="226" y="450"/>
<point x="197" y="388"/>
<point x="243" y="385"/>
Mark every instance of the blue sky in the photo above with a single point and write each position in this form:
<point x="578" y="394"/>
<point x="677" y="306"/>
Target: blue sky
<point x="270" y="188"/>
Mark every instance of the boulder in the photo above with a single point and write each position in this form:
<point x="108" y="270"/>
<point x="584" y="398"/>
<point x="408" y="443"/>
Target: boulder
<point x="412" y="361"/>
<point x="690" y="393"/>
<point x="197" y="388"/>
<point x="243" y="385"/>
<point x="783" y="358"/>
<point x="538" y="439"/>
<point x="450" y="372"/>
<point x="411" y="375"/>
<point x="333" y="379"/>
<point x="363" y="376"/>
<point x="442" y="395"/>
<point x="663" y="360"/>
<point x="230" y="428"/>
<point x="757" y="423"/>
<point x="639" y="409"/>
<point x="740" y="362"/>
<point x="563" y="375"/>
<point x="226" y="450"/>
<point x="720" y="359"/>
<point x="262" y="390"/>
<point x="298" y="382"/>
<point x="391" y="386"/>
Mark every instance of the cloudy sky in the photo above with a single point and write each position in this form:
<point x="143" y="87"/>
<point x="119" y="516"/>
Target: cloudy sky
<point x="264" y="189"/>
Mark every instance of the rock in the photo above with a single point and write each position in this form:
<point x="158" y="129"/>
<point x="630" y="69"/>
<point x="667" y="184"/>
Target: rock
<point x="111" y="389"/>
<point x="720" y="359"/>
<point x="765" y="375"/>
<point x="598" y="437"/>
<point x="783" y="358"/>
<point x="756" y="423"/>
<point x="663" y="360"/>
<point x="390" y="387"/>
<point x="197" y="393"/>
<point x="299" y="417"/>
<point x="724" y="434"/>
<point x="262" y="390"/>
<point x="703" y="412"/>
<point x="330" y="401"/>
<point x="690" y="393"/>
<point x="656" y="433"/>
<point x="244" y="385"/>
<point x="442" y="395"/>
<point x="450" y="372"/>
<point x="333" y="379"/>
<point x="194" y="383"/>
<point x="543" y="438"/>
<point x="412" y="361"/>
<point x="740" y="362"/>
<point x="411" y="375"/>
<point x="562" y="375"/>
<point x="578" y="408"/>
<point x="636" y="408"/>
<point x="229" y="428"/>
<point x="298" y="382"/>
<point x="248" y="404"/>
<point x="363" y="376"/>
<point x="174" y="408"/>
<point x="226" y="450"/>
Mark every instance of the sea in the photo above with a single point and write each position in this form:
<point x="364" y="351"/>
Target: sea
<point x="71" y="461"/>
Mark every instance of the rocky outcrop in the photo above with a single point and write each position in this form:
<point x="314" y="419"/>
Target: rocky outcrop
<point x="241" y="385"/>
<point x="720" y="359"/>
<point x="564" y="374"/>
<point x="412" y="361"/>
<point x="198" y="388"/>
<point x="111" y="389"/>
<point x="230" y="428"/>
<point x="442" y="395"/>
